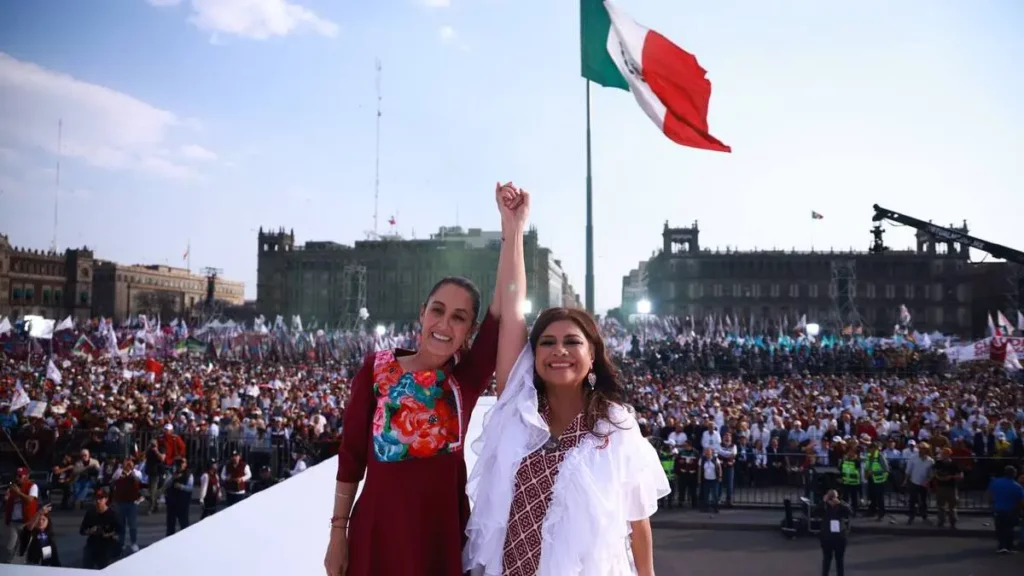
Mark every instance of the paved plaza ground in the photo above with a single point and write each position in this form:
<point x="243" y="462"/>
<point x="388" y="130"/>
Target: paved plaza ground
<point x="151" y="529"/>
<point x="969" y="525"/>
<point x="726" y="553"/>
<point x="741" y="543"/>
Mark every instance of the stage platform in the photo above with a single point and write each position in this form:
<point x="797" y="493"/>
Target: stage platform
<point x="282" y="530"/>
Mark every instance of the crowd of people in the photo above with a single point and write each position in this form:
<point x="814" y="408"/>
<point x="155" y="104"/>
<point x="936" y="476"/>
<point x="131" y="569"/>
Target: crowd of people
<point x="766" y="417"/>
<point x="775" y="430"/>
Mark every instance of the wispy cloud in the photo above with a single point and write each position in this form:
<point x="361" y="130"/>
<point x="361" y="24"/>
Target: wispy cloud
<point x="31" y="183"/>
<point x="450" y="37"/>
<point x="436" y="3"/>
<point x="254" y="19"/>
<point x="198" y="153"/>
<point x="101" y="126"/>
<point x="8" y="156"/>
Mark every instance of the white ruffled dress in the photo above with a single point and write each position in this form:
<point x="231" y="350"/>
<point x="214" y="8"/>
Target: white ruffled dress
<point x="602" y="485"/>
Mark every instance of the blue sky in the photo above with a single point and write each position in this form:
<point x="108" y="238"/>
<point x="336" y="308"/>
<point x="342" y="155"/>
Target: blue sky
<point x="201" y="120"/>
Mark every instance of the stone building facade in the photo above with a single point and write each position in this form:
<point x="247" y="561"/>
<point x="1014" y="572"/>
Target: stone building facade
<point x="124" y="291"/>
<point x="74" y="283"/>
<point x="45" y="283"/>
<point x="937" y="283"/>
<point x="390" y="277"/>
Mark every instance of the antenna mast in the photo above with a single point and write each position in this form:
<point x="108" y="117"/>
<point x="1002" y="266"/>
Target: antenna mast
<point x="376" y="177"/>
<point x="56" y="192"/>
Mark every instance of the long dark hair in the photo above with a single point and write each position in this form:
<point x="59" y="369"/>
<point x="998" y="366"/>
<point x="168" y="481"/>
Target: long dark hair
<point x="607" y="390"/>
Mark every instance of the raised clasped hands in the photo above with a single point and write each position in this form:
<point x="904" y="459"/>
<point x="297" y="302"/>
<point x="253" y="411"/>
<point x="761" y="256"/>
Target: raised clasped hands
<point x="513" y="204"/>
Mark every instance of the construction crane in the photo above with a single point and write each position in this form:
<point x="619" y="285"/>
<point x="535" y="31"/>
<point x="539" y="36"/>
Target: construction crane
<point x="943" y="234"/>
<point x="1014" y="294"/>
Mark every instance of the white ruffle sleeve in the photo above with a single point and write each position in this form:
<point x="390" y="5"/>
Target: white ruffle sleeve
<point x="604" y="483"/>
<point x="643" y="480"/>
<point x="512" y="429"/>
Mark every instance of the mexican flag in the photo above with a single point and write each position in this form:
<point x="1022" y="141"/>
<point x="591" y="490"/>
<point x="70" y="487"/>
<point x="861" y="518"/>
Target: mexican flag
<point x="668" y="83"/>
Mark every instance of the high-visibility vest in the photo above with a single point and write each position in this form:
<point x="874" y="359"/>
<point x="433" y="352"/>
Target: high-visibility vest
<point x="668" y="463"/>
<point x="878" y="474"/>
<point x="850" y="473"/>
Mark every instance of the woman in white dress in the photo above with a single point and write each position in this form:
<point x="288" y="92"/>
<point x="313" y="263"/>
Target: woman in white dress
<point x="564" y="483"/>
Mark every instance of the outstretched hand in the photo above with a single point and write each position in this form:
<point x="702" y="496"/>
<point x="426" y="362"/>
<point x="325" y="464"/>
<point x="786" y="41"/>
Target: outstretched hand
<point x="513" y="204"/>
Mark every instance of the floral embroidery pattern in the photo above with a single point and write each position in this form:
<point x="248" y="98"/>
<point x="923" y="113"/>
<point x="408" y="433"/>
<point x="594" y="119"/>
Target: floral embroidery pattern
<point x="418" y="413"/>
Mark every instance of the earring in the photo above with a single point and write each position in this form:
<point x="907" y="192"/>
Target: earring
<point x="591" y="379"/>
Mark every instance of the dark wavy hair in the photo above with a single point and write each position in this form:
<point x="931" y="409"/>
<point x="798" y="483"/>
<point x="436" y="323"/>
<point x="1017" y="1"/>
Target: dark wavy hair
<point x="607" y="390"/>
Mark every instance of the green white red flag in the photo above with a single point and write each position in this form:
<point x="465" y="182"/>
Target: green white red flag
<point x="668" y="83"/>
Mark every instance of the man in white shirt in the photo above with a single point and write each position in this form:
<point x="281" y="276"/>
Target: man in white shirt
<point x="677" y="437"/>
<point x="213" y="431"/>
<point x="235" y="476"/>
<point x="910" y="451"/>
<point x="300" y="462"/>
<point x="796" y="432"/>
<point x="918" y="476"/>
<point x="727" y="458"/>
<point x="318" y="422"/>
<point x="210" y="492"/>
<point x="709" y="474"/>
<point x="710" y="438"/>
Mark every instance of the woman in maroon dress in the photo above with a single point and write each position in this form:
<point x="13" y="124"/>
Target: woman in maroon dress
<point x="405" y="426"/>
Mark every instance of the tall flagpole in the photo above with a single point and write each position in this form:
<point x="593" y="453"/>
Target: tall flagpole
<point x="590" y="218"/>
<point x="376" y="174"/>
<point x="56" y="192"/>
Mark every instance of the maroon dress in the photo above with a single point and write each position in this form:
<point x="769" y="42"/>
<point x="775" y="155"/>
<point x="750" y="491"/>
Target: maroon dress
<point x="407" y="431"/>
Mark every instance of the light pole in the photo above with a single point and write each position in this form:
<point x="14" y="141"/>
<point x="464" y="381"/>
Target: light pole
<point x="643" y="308"/>
<point x="526" y="307"/>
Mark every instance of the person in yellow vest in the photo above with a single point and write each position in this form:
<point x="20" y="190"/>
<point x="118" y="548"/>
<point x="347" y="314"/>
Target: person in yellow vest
<point x="668" y="463"/>
<point x="876" y="470"/>
<point x="849" y="477"/>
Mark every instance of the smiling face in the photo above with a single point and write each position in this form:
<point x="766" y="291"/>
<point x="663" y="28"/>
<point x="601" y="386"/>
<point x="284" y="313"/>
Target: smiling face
<point x="563" y="354"/>
<point x="447" y="319"/>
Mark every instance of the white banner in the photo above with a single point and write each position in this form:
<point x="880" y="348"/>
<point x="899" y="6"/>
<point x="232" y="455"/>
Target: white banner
<point x="983" y="350"/>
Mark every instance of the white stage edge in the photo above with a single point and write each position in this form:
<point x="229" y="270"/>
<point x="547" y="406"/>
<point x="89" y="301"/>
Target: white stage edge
<point x="281" y="531"/>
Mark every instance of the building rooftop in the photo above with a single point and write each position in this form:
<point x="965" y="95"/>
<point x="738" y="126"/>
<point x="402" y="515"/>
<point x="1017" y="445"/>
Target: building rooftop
<point x="736" y="252"/>
<point x="469" y="237"/>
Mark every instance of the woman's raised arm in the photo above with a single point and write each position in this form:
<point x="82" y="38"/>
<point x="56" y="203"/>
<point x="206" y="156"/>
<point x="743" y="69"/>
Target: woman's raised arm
<point x="514" y="205"/>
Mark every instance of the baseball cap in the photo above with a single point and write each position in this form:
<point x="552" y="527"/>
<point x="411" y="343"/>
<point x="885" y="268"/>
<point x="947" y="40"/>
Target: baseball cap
<point x="21" y="471"/>
<point x="101" y="493"/>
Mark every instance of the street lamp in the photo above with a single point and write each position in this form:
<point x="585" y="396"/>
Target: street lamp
<point x="381" y="329"/>
<point x="643" y="308"/>
<point x="526" y="307"/>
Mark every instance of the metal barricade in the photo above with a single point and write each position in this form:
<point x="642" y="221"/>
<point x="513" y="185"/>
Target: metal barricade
<point x="768" y="487"/>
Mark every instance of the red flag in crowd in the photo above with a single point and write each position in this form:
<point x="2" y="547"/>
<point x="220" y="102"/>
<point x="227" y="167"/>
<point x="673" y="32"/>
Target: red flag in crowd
<point x="154" y="366"/>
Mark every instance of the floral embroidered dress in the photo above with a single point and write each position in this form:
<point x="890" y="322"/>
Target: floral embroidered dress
<point x="406" y="431"/>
